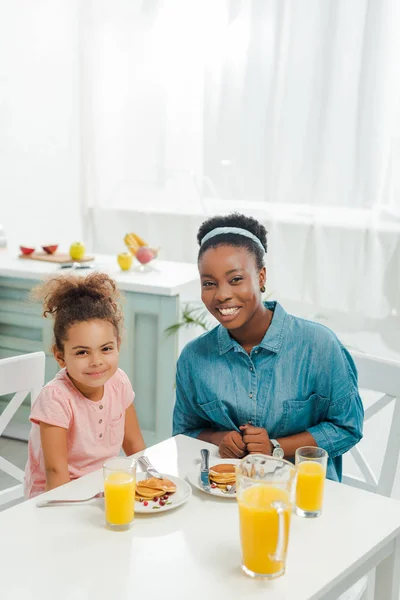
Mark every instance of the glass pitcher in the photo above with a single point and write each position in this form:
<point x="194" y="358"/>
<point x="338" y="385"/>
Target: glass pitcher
<point x="264" y="491"/>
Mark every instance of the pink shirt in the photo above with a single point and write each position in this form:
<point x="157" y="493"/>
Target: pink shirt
<point x="95" y="429"/>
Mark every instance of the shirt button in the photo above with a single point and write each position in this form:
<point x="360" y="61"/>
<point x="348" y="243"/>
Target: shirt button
<point x="101" y="420"/>
<point x="101" y="406"/>
<point x="100" y="435"/>
<point x="251" y="368"/>
<point x="251" y="394"/>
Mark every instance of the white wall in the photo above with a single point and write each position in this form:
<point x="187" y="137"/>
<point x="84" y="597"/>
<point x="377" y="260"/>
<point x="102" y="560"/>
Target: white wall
<point x="39" y="121"/>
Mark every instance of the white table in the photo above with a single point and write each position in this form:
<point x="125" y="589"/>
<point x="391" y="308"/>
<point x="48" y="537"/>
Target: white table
<point x="192" y="552"/>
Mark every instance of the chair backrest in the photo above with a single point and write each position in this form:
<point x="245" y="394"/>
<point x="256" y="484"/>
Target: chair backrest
<point x="383" y="376"/>
<point x="19" y="375"/>
<point x="24" y="372"/>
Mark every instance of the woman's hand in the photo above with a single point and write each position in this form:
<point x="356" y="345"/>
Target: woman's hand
<point x="232" y="445"/>
<point x="256" y="439"/>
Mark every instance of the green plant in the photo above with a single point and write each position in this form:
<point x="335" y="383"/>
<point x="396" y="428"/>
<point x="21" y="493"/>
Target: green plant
<point x="191" y="316"/>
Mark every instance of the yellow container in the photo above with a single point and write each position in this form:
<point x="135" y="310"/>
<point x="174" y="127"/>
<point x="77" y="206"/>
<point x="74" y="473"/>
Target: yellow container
<point x="264" y="489"/>
<point x="259" y="528"/>
<point x="311" y="463"/>
<point x="310" y="486"/>
<point x="119" y="493"/>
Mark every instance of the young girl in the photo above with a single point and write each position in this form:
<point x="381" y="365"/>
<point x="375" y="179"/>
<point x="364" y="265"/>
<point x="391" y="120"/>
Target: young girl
<point x="262" y="380"/>
<point x="86" y="413"/>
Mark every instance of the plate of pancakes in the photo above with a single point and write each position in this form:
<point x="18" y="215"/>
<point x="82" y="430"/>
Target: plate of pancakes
<point x="159" y="495"/>
<point x="222" y="477"/>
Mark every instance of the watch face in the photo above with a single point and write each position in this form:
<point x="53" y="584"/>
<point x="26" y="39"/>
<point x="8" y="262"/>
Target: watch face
<point x="278" y="453"/>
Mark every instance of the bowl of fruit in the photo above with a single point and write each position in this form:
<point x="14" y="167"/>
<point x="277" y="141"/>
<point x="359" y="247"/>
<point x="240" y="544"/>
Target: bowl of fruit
<point x="141" y="250"/>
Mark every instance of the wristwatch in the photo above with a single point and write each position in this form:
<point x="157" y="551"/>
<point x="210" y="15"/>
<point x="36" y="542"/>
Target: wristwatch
<point x="277" y="450"/>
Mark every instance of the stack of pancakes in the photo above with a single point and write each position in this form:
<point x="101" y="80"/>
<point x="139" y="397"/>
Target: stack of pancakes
<point x="223" y="475"/>
<point x="147" y="489"/>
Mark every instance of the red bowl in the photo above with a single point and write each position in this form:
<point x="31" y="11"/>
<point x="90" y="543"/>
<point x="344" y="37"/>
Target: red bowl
<point x="26" y="250"/>
<point x="50" y="249"/>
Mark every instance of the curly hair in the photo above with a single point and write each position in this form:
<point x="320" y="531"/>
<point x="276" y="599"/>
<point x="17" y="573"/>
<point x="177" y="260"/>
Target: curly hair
<point x="71" y="299"/>
<point x="234" y="239"/>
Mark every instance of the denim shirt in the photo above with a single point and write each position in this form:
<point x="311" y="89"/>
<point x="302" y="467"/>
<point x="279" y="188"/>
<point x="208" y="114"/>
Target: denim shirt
<point x="299" y="378"/>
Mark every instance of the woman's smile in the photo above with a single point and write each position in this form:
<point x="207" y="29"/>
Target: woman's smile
<point x="228" y="313"/>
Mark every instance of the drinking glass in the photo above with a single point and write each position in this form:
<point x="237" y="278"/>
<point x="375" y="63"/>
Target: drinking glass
<point x="311" y="465"/>
<point x="119" y="492"/>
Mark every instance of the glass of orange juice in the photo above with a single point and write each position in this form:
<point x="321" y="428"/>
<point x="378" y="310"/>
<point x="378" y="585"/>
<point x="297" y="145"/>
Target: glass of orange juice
<point x="311" y="473"/>
<point x="119" y="492"/>
<point x="264" y="491"/>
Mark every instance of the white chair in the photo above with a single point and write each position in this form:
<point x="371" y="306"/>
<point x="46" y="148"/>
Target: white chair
<point x="378" y="375"/>
<point x="19" y="375"/>
<point x="383" y="376"/>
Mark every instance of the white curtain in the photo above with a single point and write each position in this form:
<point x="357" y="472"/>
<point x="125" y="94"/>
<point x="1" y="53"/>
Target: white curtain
<point x="350" y="267"/>
<point x="248" y="101"/>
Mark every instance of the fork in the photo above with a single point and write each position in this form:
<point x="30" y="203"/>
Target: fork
<point x="232" y="489"/>
<point x="45" y="503"/>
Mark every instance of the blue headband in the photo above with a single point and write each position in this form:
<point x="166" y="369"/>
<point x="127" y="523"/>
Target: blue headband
<point x="236" y="230"/>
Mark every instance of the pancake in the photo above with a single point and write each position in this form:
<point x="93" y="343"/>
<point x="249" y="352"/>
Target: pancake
<point x="161" y="485"/>
<point x="223" y="468"/>
<point x="223" y="475"/>
<point x="223" y="486"/>
<point x="223" y="483"/>
<point x="154" y="488"/>
<point x="146" y="494"/>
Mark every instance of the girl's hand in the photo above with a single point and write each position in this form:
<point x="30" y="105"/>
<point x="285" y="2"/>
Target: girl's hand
<point x="256" y="439"/>
<point x="232" y="445"/>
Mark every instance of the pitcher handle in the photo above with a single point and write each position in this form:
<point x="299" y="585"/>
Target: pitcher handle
<point x="282" y="533"/>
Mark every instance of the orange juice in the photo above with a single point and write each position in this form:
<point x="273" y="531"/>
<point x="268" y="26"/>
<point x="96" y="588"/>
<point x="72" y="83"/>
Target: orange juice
<point x="119" y="497"/>
<point x="310" y="486"/>
<point x="259" y="528"/>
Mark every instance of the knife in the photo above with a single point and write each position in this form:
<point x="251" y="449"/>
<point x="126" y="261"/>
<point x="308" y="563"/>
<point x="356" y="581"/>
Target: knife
<point x="205" y="470"/>
<point x="146" y="464"/>
<point x="75" y="266"/>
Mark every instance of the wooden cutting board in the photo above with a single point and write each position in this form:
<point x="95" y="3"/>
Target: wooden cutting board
<point x="57" y="257"/>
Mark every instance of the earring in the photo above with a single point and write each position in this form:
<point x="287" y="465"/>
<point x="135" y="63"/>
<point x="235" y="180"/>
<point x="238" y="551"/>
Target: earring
<point x="262" y="289"/>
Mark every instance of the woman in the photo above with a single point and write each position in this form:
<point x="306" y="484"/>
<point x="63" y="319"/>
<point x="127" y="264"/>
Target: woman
<point x="263" y="380"/>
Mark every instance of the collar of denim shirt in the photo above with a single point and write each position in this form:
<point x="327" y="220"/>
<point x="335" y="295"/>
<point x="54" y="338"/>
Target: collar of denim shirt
<point x="273" y="338"/>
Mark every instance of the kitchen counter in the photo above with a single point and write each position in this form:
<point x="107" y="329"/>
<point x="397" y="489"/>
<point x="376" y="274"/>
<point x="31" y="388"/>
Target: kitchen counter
<point x="163" y="278"/>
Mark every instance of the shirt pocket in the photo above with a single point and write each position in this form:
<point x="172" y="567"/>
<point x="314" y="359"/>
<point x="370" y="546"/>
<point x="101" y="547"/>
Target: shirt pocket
<point x="216" y="412"/>
<point x="300" y="415"/>
<point x="210" y="409"/>
<point x="117" y="430"/>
